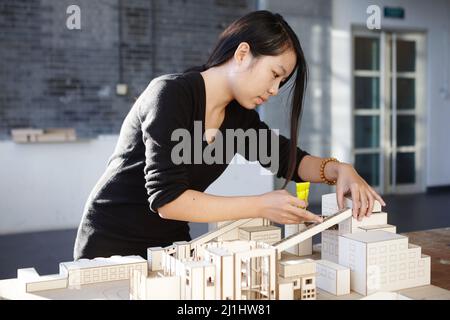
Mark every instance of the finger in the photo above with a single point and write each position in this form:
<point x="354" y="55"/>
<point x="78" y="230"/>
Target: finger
<point x="291" y="222"/>
<point x="287" y="216"/>
<point x="298" y="202"/>
<point x="305" y="214"/>
<point x="371" y="202"/>
<point x="363" y="209"/>
<point x="340" y="198"/>
<point x="356" y="200"/>
<point x="378" y="197"/>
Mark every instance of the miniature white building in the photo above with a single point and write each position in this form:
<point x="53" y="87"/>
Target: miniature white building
<point x="239" y="269"/>
<point x="301" y="273"/>
<point x="226" y="270"/>
<point x="378" y="258"/>
<point x="365" y="256"/>
<point x="330" y="243"/>
<point x="332" y="277"/>
<point x="382" y="261"/>
<point x="83" y="272"/>
<point x="267" y="234"/>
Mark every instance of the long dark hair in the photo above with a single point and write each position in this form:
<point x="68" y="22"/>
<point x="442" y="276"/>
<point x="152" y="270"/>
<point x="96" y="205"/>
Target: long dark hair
<point x="267" y="34"/>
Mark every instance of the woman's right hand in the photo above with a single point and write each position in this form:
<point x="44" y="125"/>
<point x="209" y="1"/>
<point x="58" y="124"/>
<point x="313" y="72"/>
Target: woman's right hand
<point x="281" y="207"/>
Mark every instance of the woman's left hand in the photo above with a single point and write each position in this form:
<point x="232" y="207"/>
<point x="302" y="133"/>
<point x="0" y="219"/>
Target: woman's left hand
<point x="363" y="195"/>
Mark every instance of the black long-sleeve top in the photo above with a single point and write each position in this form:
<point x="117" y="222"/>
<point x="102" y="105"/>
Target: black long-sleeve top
<point x="120" y="216"/>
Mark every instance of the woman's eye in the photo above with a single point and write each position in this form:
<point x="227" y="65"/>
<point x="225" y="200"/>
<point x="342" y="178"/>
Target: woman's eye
<point x="275" y="75"/>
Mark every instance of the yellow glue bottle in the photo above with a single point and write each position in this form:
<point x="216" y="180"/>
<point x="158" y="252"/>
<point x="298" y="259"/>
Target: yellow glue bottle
<point x="303" y="190"/>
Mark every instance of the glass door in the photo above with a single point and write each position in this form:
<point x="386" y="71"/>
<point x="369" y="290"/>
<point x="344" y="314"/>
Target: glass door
<point x="388" y="104"/>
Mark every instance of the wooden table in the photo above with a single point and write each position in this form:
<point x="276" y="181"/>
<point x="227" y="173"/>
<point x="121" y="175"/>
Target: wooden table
<point x="436" y="244"/>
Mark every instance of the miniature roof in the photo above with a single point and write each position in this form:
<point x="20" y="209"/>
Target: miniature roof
<point x="378" y="226"/>
<point x="331" y="264"/>
<point x="373" y="236"/>
<point x="103" y="262"/>
<point x="220" y="251"/>
<point x="197" y="264"/>
<point x="297" y="261"/>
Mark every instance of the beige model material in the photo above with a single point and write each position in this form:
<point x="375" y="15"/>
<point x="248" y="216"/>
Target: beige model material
<point x="155" y="288"/>
<point x="85" y="271"/>
<point x="382" y="261"/>
<point x="214" y="234"/>
<point x="233" y="234"/>
<point x="33" y="282"/>
<point x="298" y="267"/>
<point x="267" y="234"/>
<point x="333" y="277"/>
<point x="303" y="248"/>
<point x="312" y="230"/>
<point x="154" y="258"/>
<point x="371" y="258"/>
<point x="330" y="244"/>
<point x="285" y="290"/>
<point x="379" y="227"/>
<point x="330" y="204"/>
<point x="352" y="225"/>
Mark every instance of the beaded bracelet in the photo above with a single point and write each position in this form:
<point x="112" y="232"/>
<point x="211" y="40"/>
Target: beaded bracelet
<point x="322" y="171"/>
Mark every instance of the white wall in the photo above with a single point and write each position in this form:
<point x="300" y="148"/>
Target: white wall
<point x="45" y="186"/>
<point x="431" y="16"/>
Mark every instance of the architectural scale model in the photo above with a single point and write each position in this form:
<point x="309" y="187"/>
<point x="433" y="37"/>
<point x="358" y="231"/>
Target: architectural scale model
<point x="243" y="260"/>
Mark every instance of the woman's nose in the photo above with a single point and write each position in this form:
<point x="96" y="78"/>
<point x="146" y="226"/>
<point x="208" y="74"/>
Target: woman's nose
<point x="274" y="90"/>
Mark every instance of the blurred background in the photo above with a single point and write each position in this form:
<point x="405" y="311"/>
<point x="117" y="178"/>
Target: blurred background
<point x="378" y="97"/>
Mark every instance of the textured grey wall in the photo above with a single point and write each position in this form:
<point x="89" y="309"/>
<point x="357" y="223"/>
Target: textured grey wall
<point x="51" y="76"/>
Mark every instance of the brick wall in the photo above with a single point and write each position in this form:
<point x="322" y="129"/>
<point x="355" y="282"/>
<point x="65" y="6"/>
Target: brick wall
<point x="51" y="76"/>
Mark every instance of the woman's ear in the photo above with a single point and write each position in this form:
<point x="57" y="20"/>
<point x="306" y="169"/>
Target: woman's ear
<point x="242" y="52"/>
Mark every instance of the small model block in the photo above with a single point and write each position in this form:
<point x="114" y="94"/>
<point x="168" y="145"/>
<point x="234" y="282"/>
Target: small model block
<point x="330" y="204"/>
<point x="267" y="234"/>
<point x="233" y="234"/>
<point x="285" y="290"/>
<point x="303" y="248"/>
<point x="33" y="282"/>
<point x="154" y="258"/>
<point x="330" y="245"/>
<point x="298" y="267"/>
<point x="352" y="225"/>
<point x="85" y="271"/>
<point x="333" y="277"/>
<point x="380" y="227"/>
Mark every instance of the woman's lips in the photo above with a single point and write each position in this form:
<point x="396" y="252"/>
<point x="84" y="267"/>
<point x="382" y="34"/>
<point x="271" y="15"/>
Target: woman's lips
<point x="260" y="100"/>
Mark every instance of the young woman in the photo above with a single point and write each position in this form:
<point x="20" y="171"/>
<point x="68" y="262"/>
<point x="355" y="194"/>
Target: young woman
<point x="146" y="199"/>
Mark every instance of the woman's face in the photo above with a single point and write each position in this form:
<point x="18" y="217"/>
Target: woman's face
<point x="254" y="80"/>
